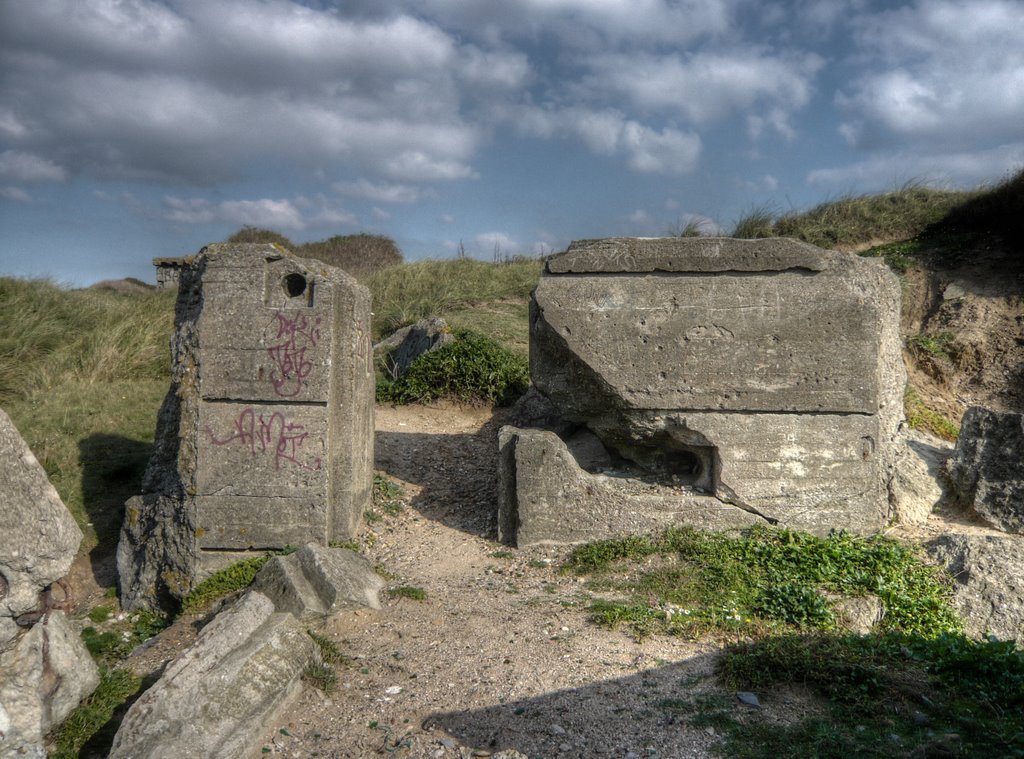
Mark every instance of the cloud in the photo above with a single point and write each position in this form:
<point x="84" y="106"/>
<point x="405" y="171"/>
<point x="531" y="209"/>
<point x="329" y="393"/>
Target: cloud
<point x="704" y="87"/>
<point x="950" y="74"/>
<point x="888" y="170"/>
<point x="380" y="192"/>
<point x="496" y="242"/>
<point x="16" y="194"/>
<point x="265" y="213"/>
<point x="607" y="132"/>
<point x="19" y="166"/>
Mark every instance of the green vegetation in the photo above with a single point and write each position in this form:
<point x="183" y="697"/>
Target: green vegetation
<point x="451" y="289"/>
<point x="387" y="495"/>
<point x="92" y="724"/>
<point x="471" y="368"/>
<point x="892" y="694"/>
<point x="921" y="417"/>
<point x="408" y="591"/>
<point x="852" y="221"/>
<point x="765" y="580"/>
<point x="223" y="582"/>
<point x="82" y="373"/>
<point x="320" y="672"/>
<point x="360" y="255"/>
<point x="937" y="345"/>
<point x="111" y="645"/>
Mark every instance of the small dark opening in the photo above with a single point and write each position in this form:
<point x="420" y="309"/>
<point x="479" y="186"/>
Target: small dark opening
<point x="294" y="285"/>
<point x="684" y="464"/>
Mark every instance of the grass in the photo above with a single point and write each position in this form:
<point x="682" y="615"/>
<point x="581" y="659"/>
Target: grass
<point x="471" y="368"/>
<point x="858" y="220"/>
<point x="886" y="695"/>
<point x="224" y="582"/>
<point x="408" y="591"/>
<point x="92" y="721"/>
<point x="686" y="583"/>
<point x="387" y="495"/>
<point x="921" y="417"/>
<point x="405" y="294"/>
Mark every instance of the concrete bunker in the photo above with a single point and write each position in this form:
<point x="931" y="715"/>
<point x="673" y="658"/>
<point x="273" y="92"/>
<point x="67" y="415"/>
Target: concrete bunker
<point x="265" y="438"/>
<point x="727" y="382"/>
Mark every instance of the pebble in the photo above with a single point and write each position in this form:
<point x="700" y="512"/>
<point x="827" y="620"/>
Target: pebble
<point x="557" y="730"/>
<point x="748" y="698"/>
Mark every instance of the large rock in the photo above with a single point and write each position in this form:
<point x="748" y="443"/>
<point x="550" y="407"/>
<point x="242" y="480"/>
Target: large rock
<point x="401" y="348"/>
<point x="215" y="700"/>
<point x="988" y="571"/>
<point x="920" y="482"/>
<point x="987" y="467"/>
<point x="45" y="676"/>
<point x="45" y="669"/>
<point x="265" y="438"/>
<point x="765" y="373"/>
<point x="38" y="535"/>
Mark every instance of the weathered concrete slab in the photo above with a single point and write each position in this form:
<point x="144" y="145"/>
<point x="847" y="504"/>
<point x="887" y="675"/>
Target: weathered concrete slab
<point x="766" y="373"/>
<point x="987" y="467"/>
<point x="246" y="665"/>
<point x="266" y="436"/>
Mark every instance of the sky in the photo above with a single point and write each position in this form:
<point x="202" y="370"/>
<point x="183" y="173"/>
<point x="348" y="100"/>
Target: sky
<point x="131" y="129"/>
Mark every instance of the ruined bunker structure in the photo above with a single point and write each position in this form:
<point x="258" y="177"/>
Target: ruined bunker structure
<point x="711" y="382"/>
<point x="265" y="439"/>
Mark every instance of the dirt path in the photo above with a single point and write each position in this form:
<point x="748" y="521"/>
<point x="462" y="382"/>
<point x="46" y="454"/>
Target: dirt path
<point x="499" y="658"/>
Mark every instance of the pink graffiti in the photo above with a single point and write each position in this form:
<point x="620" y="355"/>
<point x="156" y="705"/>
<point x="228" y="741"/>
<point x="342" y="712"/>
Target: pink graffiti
<point x="291" y="367"/>
<point x="261" y="434"/>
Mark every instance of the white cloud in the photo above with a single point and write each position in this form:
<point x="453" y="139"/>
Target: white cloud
<point x="16" y="194"/>
<point x="380" y="214"/>
<point x="267" y="213"/>
<point x="950" y="74"/>
<point x="18" y="166"/>
<point x="766" y="183"/>
<point x="496" y="243"/>
<point x="888" y="170"/>
<point x="380" y="192"/>
<point x="705" y="86"/>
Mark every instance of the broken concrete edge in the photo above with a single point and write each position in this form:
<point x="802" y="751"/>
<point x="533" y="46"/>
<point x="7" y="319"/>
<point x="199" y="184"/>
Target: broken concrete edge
<point x="216" y="698"/>
<point x="545" y="497"/>
<point x="704" y="255"/>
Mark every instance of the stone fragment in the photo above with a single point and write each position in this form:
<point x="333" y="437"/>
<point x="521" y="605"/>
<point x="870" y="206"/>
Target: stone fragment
<point x="265" y="438"/>
<point x="38" y="536"/>
<point x="987" y="467"/>
<point x="319" y="580"/>
<point x="766" y="375"/>
<point x="401" y="348"/>
<point x="920" y="481"/>
<point x="213" y="700"/>
<point x="246" y="665"/>
<point x="45" y="675"/>
<point x="988" y="571"/>
<point x="45" y="669"/>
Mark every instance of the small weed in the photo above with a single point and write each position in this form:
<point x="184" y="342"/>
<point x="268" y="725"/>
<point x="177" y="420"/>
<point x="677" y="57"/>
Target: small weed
<point x="937" y="345"/>
<point x="408" y="591"/>
<point x="921" y="417"/>
<point x="502" y="554"/>
<point x="329" y="651"/>
<point x="351" y="545"/>
<point x="387" y="495"/>
<point x="372" y="517"/>
<point x="321" y="675"/>
<point x="99" y="614"/>
<point x="899" y="256"/>
<point x="538" y="564"/>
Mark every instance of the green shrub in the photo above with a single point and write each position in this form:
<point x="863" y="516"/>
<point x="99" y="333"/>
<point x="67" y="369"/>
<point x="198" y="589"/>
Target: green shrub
<point x="91" y="721"/>
<point x="360" y="255"/>
<point x="249" y="234"/>
<point x="223" y="582"/>
<point x="471" y="368"/>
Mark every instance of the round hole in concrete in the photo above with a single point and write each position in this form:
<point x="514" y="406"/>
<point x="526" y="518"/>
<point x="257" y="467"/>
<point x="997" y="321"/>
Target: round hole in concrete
<point x="294" y="284"/>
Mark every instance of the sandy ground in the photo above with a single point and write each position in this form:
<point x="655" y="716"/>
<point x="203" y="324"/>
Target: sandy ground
<point x="500" y="657"/>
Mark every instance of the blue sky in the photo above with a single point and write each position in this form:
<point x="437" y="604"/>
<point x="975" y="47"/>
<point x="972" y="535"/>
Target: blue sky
<point x="138" y="128"/>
